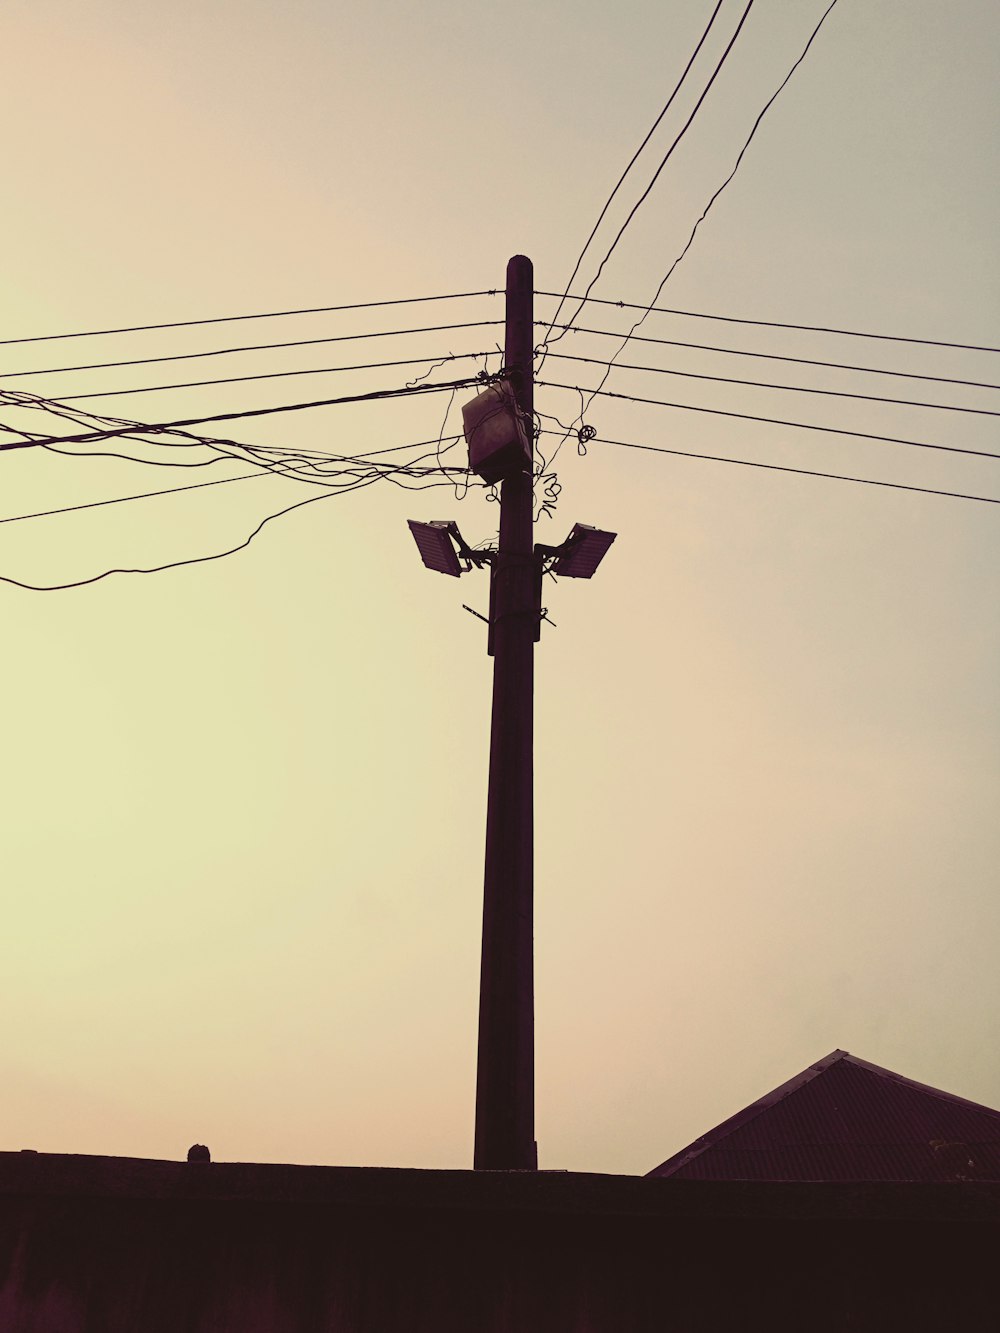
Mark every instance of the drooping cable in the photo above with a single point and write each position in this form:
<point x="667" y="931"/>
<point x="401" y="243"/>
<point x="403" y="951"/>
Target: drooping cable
<point x="284" y="468"/>
<point x="165" y="426"/>
<point x="173" y="564"/>
<point x="223" y="449"/>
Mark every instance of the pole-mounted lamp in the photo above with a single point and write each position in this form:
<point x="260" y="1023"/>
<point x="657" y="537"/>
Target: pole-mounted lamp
<point x="581" y="552"/>
<point x="443" y="548"/>
<point x="436" y="548"/>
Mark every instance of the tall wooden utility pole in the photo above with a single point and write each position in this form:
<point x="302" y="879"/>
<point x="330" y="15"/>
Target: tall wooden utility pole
<point x="505" y="1087"/>
<point x="500" y="435"/>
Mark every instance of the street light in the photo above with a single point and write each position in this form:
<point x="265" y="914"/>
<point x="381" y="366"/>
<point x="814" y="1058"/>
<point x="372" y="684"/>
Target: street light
<point x="443" y="548"/>
<point x="435" y="545"/>
<point x="581" y="552"/>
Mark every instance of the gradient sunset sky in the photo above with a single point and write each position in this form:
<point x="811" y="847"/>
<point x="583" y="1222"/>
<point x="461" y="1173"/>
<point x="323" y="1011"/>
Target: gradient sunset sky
<point x="243" y="802"/>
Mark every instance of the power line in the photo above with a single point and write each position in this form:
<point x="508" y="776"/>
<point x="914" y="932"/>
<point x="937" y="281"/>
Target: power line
<point x="774" y="356"/>
<point x="174" y="564"/>
<point x="705" y="211"/>
<point x="773" y="324"/>
<point x="364" y="464"/>
<point x="251" y="347"/>
<point x="281" y="470"/>
<point x="274" y="375"/>
<point x="634" y="158"/>
<point x="314" y="458"/>
<point x="669" y="153"/>
<point x="736" y="166"/>
<point x="144" y="495"/>
<point x="789" y="388"/>
<point x="131" y="458"/>
<point x="772" y="421"/>
<point x="322" y="456"/>
<point x="191" y="441"/>
<point x="231" y="319"/>
<point x="797" y="471"/>
<point x="163" y="426"/>
<point x="271" y="471"/>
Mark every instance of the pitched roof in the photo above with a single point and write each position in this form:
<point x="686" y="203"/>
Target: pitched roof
<point x="845" y="1119"/>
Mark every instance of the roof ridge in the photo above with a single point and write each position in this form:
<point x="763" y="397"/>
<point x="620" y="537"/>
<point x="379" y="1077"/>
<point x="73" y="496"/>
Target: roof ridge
<point x="882" y="1072"/>
<point x="713" y="1137"/>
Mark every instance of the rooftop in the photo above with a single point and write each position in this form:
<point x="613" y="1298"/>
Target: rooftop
<point x="843" y="1119"/>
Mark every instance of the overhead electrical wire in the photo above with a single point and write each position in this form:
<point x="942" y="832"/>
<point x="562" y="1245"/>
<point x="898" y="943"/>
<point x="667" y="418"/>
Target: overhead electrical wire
<point x="251" y="347"/>
<point x="398" y="474"/>
<point x="797" y="471"/>
<point x="132" y="458"/>
<point x="705" y="211"/>
<point x="319" y="454"/>
<point x="775" y="356"/>
<point x="223" y="452"/>
<point x="666" y="157"/>
<point x="773" y="421"/>
<point x="144" y="495"/>
<point x="166" y="426"/>
<point x="282" y="470"/>
<point x="772" y="323"/>
<point x="635" y="156"/>
<point x="271" y="375"/>
<point x="249" y="453"/>
<point x="232" y="319"/>
<point x="363" y="463"/>
<point x="173" y="564"/>
<point x="786" y="388"/>
<point x="736" y="166"/>
<point x="222" y="447"/>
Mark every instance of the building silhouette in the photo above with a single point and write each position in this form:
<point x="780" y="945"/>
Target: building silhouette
<point x="850" y="1198"/>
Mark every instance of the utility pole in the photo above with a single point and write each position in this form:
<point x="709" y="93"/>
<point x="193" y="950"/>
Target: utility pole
<point x="505" y="1086"/>
<point x="499" y="429"/>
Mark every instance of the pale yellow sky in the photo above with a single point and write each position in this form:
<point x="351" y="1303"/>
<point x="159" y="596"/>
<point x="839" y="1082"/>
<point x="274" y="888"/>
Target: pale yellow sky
<point x="243" y="802"/>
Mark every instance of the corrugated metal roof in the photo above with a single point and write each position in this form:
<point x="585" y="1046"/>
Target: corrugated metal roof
<point x="845" y="1119"/>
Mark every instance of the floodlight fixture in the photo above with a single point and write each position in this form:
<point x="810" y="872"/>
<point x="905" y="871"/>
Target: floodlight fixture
<point x="581" y="552"/>
<point x="494" y="431"/>
<point x="443" y="548"/>
<point x="434" y="542"/>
